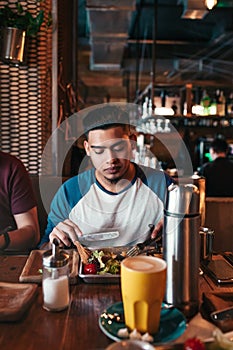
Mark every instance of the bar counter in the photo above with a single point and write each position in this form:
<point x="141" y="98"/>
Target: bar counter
<point x="77" y="327"/>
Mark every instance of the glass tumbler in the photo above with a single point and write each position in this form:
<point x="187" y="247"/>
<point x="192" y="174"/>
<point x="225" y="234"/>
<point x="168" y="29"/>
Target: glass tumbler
<point x="206" y="243"/>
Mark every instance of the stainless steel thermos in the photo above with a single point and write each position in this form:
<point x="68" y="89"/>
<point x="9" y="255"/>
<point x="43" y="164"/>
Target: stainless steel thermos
<point x="181" y="247"/>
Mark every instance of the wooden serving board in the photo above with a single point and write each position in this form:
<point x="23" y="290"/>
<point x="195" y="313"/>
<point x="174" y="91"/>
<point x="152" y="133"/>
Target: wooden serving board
<point x="15" y="299"/>
<point x="32" y="271"/>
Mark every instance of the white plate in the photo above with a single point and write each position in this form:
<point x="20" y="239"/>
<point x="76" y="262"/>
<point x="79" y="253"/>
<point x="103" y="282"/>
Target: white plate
<point x="107" y="277"/>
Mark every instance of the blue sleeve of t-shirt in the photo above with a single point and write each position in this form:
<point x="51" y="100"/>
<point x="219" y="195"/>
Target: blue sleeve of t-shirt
<point x="157" y="180"/>
<point x="66" y="198"/>
<point x="59" y="211"/>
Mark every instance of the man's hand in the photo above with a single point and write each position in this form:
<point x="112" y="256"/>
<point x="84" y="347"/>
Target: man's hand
<point x="66" y="231"/>
<point x="157" y="230"/>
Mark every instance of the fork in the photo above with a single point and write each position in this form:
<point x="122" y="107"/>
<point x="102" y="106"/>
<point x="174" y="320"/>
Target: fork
<point x="138" y="248"/>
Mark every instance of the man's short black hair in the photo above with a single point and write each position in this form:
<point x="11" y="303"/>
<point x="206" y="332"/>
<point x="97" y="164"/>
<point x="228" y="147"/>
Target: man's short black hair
<point x="105" y="118"/>
<point x="219" y="145"/>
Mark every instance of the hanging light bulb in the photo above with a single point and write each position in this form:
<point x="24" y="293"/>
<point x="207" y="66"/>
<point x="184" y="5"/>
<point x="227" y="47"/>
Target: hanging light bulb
<point x="210" y="3"/>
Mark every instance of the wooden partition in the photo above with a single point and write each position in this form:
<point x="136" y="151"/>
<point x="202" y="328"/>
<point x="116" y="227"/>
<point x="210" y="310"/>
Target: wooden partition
<point x="219" y="217"/>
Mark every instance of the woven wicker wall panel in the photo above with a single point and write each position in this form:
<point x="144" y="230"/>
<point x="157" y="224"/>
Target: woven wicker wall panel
<point x="25" y="96"/>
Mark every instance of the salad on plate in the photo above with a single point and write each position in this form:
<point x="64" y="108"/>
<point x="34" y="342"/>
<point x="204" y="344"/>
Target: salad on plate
<point x="102" y="262"/>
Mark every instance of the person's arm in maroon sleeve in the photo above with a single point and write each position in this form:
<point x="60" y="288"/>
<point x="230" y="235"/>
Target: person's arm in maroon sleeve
<point x="19" y="229"/>
<point x="26" y="236"/>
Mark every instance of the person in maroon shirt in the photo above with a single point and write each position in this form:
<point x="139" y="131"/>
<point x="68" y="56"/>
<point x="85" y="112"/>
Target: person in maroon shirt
<point x="19" y="228"/>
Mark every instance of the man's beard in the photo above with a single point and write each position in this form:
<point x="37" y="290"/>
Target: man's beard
<point x="114" y="181"/>
<point x="119" y="178"/>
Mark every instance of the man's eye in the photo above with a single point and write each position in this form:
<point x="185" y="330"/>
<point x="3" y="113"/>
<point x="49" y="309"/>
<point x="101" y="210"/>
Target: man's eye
<point x="99" y="151"/>
<point x="119" y="149"/>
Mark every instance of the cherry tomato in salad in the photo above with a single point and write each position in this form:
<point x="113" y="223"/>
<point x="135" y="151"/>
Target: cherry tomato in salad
<point x="194" y="344"/>
<point x="90" y="269"/>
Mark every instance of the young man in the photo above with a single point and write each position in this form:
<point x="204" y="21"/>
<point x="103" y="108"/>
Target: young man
<point x="19" y="228"/>
<point x="218" y="172"/>
<point x="116" y="194"/>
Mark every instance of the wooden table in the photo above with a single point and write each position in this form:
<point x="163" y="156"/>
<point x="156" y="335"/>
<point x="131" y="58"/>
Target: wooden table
<point x="73" y="329"/>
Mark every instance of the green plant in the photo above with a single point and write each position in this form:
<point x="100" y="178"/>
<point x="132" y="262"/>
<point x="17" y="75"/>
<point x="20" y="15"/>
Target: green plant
<point x="21" y="19"/>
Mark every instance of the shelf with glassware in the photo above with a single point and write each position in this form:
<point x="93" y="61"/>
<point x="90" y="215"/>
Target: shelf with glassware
<point x="156" y="123"/>
<point x="187" y="106"/>
<point x="176" y="110"/>
<point x="157" y="134"/>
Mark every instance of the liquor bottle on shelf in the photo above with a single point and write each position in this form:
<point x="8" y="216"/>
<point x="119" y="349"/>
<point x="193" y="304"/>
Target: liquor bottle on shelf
<point x="217" y="95"/>
<point x="163" y="96"/>
<point x="185" y="109"/>
<point x="174" y="107"/>
<point x="230" y="105"/>
<point x="221" y="105"/>
<point x="213" y="107"/>
<point x="145" y="108"/>
<point x="205" y="102"/>
<point x="150" y="107"/>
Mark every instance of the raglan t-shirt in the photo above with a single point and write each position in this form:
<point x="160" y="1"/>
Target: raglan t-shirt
<point x="16" y="194"/>
<point x="83" y="200"/>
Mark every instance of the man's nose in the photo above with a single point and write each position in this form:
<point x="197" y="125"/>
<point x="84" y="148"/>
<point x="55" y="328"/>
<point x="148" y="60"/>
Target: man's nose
<point x="111" y="156"/>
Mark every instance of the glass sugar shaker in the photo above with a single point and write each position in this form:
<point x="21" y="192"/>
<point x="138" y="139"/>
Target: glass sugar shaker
<point x="55" y="280"/>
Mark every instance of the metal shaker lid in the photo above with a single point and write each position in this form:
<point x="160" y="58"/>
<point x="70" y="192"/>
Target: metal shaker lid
<point x="60" y="260"/>
<point x="183" y="200"/>
<point x="55" y="257"/>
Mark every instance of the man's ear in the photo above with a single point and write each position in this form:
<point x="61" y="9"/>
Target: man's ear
<point x="87" y="147"/>
<point x="133" y="140"/>
<point x="133" y="137"/>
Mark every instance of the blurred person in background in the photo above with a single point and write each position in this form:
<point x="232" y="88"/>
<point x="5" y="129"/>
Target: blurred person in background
<point x="218" y="172"/>
<point x="19" y="228"/>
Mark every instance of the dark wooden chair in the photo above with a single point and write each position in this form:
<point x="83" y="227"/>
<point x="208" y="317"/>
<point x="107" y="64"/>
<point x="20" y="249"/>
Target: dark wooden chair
<point x="49" y="186"/>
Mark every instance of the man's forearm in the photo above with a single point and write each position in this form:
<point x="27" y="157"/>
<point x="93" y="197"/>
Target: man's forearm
<point x="24" y="238"/>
